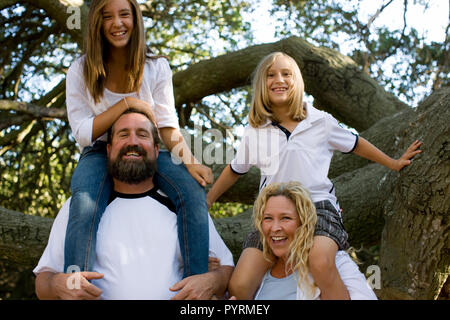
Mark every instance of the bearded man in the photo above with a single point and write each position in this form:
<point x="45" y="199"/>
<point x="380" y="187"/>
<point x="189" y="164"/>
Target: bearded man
<point x="137" y="250"/>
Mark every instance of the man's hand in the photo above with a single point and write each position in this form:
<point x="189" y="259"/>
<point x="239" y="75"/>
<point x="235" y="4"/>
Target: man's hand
<point x="198" y="287"/>
<point x="75" y="286"/>
<point x="405" y="159"/>
<point x="201" y="173"/>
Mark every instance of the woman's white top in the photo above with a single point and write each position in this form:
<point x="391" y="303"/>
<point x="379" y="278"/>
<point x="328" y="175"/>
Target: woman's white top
<point x="353" y="279"/>
<point x="278" y="288"/>
<point x="156" y="89"/>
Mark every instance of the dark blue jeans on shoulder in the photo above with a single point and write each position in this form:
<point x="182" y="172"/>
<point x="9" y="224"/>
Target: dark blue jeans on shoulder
<point x="91" y="187"/>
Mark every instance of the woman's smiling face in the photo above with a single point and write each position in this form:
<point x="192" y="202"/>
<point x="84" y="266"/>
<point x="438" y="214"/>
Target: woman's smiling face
<point x="280" y="222"/>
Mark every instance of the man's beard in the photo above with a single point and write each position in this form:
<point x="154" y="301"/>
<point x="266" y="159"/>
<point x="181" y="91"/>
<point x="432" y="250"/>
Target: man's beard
<point x="132" y="171"/>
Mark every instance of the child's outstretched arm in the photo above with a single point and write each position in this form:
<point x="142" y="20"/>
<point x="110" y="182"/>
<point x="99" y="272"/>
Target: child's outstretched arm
<point x="367" y="150"/>
<point x="226" y="179"/>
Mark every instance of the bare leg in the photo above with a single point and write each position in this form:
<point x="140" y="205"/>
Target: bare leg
<point x="323" y="269"/>
<point x="248" y="274"/>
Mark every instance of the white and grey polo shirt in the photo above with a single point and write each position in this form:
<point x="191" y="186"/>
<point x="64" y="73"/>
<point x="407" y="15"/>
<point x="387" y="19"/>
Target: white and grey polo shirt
<point x="303" y="155"/>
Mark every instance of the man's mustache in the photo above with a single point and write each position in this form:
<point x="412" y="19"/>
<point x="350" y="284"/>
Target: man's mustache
<point x="139" y="150"/>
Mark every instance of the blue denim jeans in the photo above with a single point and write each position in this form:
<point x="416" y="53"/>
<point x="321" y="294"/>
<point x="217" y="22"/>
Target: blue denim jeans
<point x="91" y="188"/>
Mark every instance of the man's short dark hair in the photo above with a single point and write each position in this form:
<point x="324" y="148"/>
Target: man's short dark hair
<point x="133" y="110"/>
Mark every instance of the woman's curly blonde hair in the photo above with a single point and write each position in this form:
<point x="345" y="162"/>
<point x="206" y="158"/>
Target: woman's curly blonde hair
<point x="297" y="260"/>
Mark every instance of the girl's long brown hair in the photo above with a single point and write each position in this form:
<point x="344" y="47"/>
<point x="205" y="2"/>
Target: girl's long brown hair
<point x="96" y="50"/>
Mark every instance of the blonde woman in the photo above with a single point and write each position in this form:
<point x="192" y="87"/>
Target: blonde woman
<point x="292" y="141"/>
<point x="117" y="72"/>
<point x="285" y="218"/>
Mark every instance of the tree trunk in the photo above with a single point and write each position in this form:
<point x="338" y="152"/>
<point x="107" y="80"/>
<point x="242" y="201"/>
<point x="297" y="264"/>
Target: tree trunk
<point x="245" y="190"/>
<point x="415" y="244"/>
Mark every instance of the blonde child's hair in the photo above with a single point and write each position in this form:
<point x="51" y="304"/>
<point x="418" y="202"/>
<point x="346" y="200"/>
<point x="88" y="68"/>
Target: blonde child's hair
<point x="96" y="46"/>
<point x="261" y="110"/>
<point x="300" y="247"/>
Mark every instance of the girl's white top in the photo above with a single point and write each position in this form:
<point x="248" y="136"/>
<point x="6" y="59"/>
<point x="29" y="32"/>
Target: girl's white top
<point x="156" y="89"/>
<point x="304" y="157"/>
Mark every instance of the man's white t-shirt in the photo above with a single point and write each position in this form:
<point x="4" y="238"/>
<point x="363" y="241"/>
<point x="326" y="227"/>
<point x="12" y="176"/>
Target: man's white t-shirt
<point x="137" y="248"/>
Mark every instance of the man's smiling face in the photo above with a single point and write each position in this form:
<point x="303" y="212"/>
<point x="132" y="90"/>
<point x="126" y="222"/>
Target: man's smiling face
<point x="132" y="154"/>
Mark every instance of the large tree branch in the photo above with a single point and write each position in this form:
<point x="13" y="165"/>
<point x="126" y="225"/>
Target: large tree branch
<point x="33" y="110"/>
<point x="22" y="237"/>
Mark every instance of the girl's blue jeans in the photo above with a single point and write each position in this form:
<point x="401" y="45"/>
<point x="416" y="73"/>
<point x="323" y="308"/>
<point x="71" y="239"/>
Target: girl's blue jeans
<point x="91" y="187"/>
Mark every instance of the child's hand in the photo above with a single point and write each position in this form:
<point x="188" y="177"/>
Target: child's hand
<point x="201" y="173"/>
<point x="213" y="263"/>
<point x="208" y="201"/>
<point x="405" y="159"/>
<point x="142" y="106"/>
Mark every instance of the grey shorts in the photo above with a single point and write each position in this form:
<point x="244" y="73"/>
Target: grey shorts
<point x="329" y="224"/>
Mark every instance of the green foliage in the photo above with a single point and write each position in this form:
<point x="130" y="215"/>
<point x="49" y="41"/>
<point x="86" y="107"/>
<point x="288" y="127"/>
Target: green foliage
<point x="35" y="50"/>
<point x="188" y="31"/>
<point x="401" y="60"/>
<point x="35" y="175"/>
<point x="228" y="209"/>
